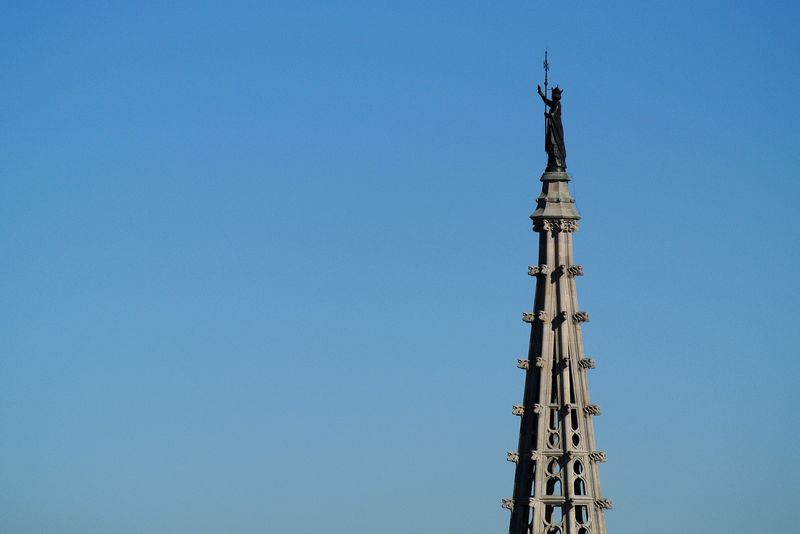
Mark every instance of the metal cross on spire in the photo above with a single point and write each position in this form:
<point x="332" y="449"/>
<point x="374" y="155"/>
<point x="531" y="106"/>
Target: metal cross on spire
<point x="546" y="70"/>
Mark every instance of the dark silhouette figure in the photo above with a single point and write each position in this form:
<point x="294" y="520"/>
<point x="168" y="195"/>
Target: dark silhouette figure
<point x="554" y="133"/>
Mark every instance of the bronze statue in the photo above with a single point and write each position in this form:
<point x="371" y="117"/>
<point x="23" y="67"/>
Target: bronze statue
<point x="554" y="132"/>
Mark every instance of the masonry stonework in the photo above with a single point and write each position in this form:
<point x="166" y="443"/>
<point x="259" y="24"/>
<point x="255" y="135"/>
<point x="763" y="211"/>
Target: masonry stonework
<point x="556" y="484"/>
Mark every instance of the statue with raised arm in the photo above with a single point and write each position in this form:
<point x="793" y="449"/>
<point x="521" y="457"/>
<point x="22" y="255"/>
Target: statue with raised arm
<point x="554" y="132"/>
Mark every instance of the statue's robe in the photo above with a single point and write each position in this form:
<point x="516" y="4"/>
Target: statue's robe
<point x="554" y="140"/>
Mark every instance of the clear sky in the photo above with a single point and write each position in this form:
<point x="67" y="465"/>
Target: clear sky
<point x="263" y="263"/>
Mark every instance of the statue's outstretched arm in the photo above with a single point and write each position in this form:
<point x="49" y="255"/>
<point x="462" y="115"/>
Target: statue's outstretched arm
<point x="544" y="97"/>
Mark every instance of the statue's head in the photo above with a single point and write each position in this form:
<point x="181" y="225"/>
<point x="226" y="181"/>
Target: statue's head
<point x="557" y="93"/>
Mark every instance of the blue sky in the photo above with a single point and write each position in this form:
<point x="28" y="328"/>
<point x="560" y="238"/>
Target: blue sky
<point x="264" y="263"/>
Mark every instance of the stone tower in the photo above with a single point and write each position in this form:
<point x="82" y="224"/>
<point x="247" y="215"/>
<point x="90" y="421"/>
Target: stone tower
<point x="556" y="486"/>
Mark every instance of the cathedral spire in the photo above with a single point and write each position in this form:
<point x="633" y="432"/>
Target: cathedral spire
<point x="556" y="485"/>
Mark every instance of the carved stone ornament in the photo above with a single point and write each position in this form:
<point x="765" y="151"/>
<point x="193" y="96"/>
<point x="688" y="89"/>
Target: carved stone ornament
<point x="575" y="270"/>
<point x="558" y="225"/>
<point x="508" y="504"/>
<point x="518" y="409"/>
<point x="597" y="456"/>
<point x="581" y="317"/>
<point x="523" y="364"/>
<point x="604" y="504"/>
<point x="591" y="409"/>
<point x="538" y="408"/>
<point x="586" y="363"/>
<point x="512" y="457"/>
<point x="539" y="362"/>
<point x="529" y="317"/>
<point x="531" y="502"/>
<point x="542" y="269"/>
<point x="569" y="225"/>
